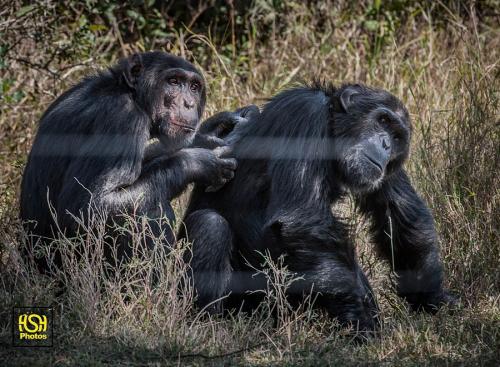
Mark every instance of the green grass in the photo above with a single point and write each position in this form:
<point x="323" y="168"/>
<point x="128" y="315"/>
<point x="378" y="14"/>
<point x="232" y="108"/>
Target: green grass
<point x="440" y="58"/>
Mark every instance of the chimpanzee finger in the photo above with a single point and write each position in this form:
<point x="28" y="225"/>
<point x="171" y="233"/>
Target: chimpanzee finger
<point x="207" y="142"/>
<point x="222" y="151"/>
<point x="214" y="142"/>
<point x="217" y="187"/>
<point x="227" y="174"/>
<point x="216" y="123"/>
<point x="248" y="111"/>
<point x="229" y="163"/>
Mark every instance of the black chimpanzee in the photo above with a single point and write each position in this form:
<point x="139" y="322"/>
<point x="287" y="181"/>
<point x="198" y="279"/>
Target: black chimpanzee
<point x="308" y="147"/>
<point x="92" y="145"/>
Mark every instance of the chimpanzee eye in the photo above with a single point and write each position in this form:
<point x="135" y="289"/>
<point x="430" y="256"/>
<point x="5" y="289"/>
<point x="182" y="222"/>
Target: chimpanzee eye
<point x="195" y="86"/>
<point x="397" y="136"/>
<point x="173" y="81"/>
<point x="384" y="120"/>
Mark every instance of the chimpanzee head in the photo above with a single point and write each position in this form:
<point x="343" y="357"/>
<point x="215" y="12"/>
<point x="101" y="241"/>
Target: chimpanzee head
<point x="371" y="135"/>
<point x="170" y="90"/>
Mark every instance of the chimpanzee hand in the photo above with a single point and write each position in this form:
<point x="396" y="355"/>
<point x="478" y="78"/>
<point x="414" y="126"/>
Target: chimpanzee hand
<point x="431" y="302"/>
<point x="248" y="111"/>
<point x="209" y="167"/>
<point x="223" y="123"/>
<point x="212" y="132"/>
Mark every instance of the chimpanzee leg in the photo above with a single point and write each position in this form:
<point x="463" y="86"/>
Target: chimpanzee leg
<point x="210" y="261"/>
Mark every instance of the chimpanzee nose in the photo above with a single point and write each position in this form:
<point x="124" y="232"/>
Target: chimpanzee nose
<point x="189" y="103"/>
<point x="377" y="150"/>
<point x="385" y="143"/>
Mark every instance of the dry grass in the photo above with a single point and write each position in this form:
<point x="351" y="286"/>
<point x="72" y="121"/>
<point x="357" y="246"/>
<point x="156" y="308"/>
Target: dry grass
<point x="442" y="62"/>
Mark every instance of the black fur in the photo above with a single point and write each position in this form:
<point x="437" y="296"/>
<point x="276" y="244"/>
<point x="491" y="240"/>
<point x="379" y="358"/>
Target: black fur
<point x="308" y="147"/>
<point x="92" y="148"/>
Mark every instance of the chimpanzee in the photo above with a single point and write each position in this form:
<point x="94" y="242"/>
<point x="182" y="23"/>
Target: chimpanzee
<point x="309" y="147"/>
<point x="93" y="146"/>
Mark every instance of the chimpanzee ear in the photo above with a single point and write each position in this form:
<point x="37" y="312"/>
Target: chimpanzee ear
<point x="346" y="97"/>
<point x="133" y="69"/>
<point x="276" y="229"/>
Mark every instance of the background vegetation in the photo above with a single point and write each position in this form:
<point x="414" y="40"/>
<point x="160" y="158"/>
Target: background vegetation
<point x="441" y="58"/>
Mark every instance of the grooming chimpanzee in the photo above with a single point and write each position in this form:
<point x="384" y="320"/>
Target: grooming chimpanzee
<point x="308" y="148"/>
<point x="92" y="146"/>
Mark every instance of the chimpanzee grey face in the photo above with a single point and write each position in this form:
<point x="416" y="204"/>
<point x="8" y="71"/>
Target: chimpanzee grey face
<point x="172" y="92"/>
<point x="371" y="135"/>
<point x="181" y="91"/>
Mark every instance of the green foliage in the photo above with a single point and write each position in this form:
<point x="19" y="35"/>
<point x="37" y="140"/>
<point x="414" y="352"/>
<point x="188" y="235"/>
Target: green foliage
<point x="7" y="94"/>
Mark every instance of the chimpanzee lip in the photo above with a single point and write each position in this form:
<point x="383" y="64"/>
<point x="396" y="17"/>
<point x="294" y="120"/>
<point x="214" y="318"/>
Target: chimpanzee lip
<point x="187" y="127"/>
<point x="374" y="162"/>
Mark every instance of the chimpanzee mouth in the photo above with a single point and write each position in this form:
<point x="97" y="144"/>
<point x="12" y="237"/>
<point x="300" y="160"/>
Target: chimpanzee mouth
<point x="374" y="163"/>
<point x="183" y="126"/>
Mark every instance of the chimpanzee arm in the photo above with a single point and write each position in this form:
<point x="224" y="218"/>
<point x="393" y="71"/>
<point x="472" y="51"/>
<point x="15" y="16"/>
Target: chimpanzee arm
<point x="165" y="178"/>
<point x="319" y="251"/>
<point x="189" y="165"/>
<point x="109" y="168"/>
<point x="404" y="232"/>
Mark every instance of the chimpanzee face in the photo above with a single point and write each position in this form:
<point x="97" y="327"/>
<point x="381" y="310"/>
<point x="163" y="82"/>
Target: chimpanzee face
<point x="172" y="92"/>
<point x="371" y="136"/>
<point x="178" y="110"/>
